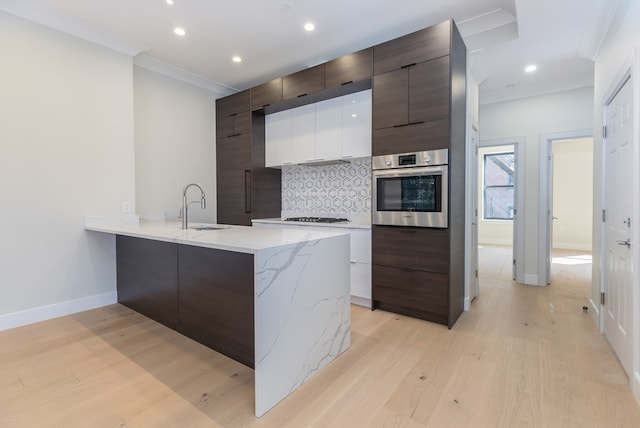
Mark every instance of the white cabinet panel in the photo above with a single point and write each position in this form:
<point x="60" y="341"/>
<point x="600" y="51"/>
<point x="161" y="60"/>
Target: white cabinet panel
<point x="361" y="280"/>
<point x="338" y="128"/>
<point x="361" y="245"/>
<point x="278" y="134"/>
<point x="329" y="129"/>
<point x="303" y="133"/>
<point x="356" y="124"/>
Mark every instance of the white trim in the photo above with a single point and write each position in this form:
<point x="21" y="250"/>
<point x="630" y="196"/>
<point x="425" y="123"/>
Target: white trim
<point x="43" y="313"/>
<point x="177" y="73"/>
<point x="519" y="220"/>
<point x="361" y="301"/>
<point x="545" y="196"/>
<point x="532" y="280"/>
<point x="571" y="246"/>
<point x="491" y="241"/>
<point x="471" y="221"/>
<point x="52" y="18"/>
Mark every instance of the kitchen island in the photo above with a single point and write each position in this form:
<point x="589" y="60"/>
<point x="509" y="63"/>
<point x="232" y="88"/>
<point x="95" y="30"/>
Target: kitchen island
<point x="276" y="300"/>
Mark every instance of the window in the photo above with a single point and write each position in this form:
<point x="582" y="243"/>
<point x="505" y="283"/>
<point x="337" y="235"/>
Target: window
<point x="498" y="186"/>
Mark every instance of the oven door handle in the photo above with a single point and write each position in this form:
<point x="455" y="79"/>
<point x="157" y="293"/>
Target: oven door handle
<point x="400" y="172"/>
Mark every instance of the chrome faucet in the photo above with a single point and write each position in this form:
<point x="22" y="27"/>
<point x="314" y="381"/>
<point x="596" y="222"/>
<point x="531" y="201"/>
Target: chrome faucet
<point x="185" y="204"/>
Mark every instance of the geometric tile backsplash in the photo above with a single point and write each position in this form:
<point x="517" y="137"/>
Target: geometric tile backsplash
<point x="328" y="190"/>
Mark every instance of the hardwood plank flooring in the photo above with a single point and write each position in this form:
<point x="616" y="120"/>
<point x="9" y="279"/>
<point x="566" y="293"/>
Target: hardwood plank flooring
<point x="521" y="357"/>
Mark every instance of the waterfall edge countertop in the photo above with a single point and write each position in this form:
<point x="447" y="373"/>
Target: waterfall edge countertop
<point x="298" y="285"/>
<point x="242" y="239"/>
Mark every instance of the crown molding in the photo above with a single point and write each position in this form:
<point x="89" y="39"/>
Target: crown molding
<point x="145" y="61"/>
<point x="53" y="19"/>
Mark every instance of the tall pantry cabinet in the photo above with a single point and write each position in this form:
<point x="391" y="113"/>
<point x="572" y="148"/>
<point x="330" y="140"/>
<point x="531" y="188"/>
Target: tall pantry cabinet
<point x="246" y="189"/>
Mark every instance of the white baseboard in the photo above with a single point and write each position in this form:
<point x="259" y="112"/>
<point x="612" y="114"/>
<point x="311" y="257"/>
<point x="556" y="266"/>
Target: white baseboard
<point x="361" y="301"/>
<point x="43" y="313"/>
<point x="490" y="241"/>
<point x="467" y="303"/>
<point x="571" y="246"/>
<point x="636" y="386"/>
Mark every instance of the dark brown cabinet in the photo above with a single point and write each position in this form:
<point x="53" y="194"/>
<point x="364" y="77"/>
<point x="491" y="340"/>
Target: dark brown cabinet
<point x="216" y="300"/>
<point x="423" y="45"/>
<point x="147" y="278"/>
<point x="304" y="82"/>
<point x="413" y="94"/>
<point x="419" y="103"/>
<point x="349" y="68"/>
<point x="245" y="188"/>
<point x="411" y="271"/>
<point x="203" y="293"/>
<point x="266" y="94"/>
<point x="411" y="138"/>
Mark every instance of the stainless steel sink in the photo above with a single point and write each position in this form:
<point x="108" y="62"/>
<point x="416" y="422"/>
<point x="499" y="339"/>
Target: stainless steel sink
<point x="206" y="228"/>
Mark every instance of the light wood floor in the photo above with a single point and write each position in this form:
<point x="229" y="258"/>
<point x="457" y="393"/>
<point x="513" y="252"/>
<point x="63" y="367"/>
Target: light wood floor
<point x="522" y="356"/>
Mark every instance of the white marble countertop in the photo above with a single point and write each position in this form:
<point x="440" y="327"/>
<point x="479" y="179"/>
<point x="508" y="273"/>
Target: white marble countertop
<point x="242" y="239"/>
<point x="344" y="225"/>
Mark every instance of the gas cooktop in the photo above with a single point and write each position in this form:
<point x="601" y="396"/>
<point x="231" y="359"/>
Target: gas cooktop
<point x="317" y="219"/>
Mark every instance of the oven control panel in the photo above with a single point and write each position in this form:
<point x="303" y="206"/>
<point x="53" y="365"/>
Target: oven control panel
<point x="409" y="160"/>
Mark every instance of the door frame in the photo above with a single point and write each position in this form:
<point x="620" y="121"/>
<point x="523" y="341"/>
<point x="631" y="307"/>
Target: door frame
<point x="518" y="144"/>
<point x="471" y="238"/>
<point x="545" y="201"/>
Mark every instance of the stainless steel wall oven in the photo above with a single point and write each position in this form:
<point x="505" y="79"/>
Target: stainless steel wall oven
<point x="411" y="189"/>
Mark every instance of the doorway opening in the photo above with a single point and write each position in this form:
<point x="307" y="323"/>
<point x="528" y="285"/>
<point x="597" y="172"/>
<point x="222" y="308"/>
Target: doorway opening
<point x="500" y="173"/>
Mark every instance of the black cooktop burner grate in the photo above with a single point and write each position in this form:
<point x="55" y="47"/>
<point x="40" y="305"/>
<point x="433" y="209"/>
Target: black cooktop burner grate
<point x="317" y="219"/>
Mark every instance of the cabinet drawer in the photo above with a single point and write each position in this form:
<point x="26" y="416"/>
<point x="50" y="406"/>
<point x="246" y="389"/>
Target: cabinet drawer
<point x="411" y="138"/>
<point x="423" y="45"/>
<point x="349" y="68"/>
<point x="303" y="82"/>
<point x="266" y="94"/>
<point x="422" y="291"/>
<point x="411" y="248"/>
<point x="234" y="124"/>
<point x="235" y="103"/>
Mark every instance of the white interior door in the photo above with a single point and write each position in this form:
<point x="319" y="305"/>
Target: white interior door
<point x="617" y="280"/>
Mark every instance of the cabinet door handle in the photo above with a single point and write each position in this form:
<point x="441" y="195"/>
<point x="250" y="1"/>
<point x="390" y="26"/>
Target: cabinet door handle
<point x="302" y="95"/>
<point x="409" y="65"/>
<point x="408" y="124"/>
<point x="265" y="105"/>
<point x="233" y="135"/>
<point x="346" y="83"/>
<point x="247" y="191"/>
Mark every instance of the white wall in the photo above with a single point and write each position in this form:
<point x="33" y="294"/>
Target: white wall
<point x="492" y="232"/>
<point x="174" y="145"/>
<point x="528" y="118"/>
<point x="573" y="193"/>
<point x="618" y="53"/>
<point x="66" y="151"/>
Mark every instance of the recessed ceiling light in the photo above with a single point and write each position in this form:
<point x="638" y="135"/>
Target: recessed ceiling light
<point x="179" y="31"/>
<point x="530" y="68"/>
<point x="236" y="59"/>
<point x="169" y="2"/>
<point x="309" y="26"/>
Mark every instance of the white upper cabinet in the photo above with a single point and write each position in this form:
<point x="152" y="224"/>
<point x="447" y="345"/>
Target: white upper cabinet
<point x="329" y="129"/>
<point x="338" y="128"/>
<point x="356" y="124"/>
<point x="278" y="133"/>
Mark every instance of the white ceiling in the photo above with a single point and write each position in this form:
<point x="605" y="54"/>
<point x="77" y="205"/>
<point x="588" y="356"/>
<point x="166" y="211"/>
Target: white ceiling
<point x="502" y="36"/>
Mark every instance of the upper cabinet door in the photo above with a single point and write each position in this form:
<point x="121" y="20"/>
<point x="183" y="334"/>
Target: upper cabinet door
<point x="304" y="82"/>
<point x="303" y="133"/>
<point x="423" y="45"/>
<point x="278" y="139"/>
<point x="266" y="94"/>
<point x="429" y="90"/>
<point x="233" y="104"/>
<point x="356" y="124"/>
<point x="329" y="129"/>
<point x="349" y="68"/>
<point x="391" y="99"/>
